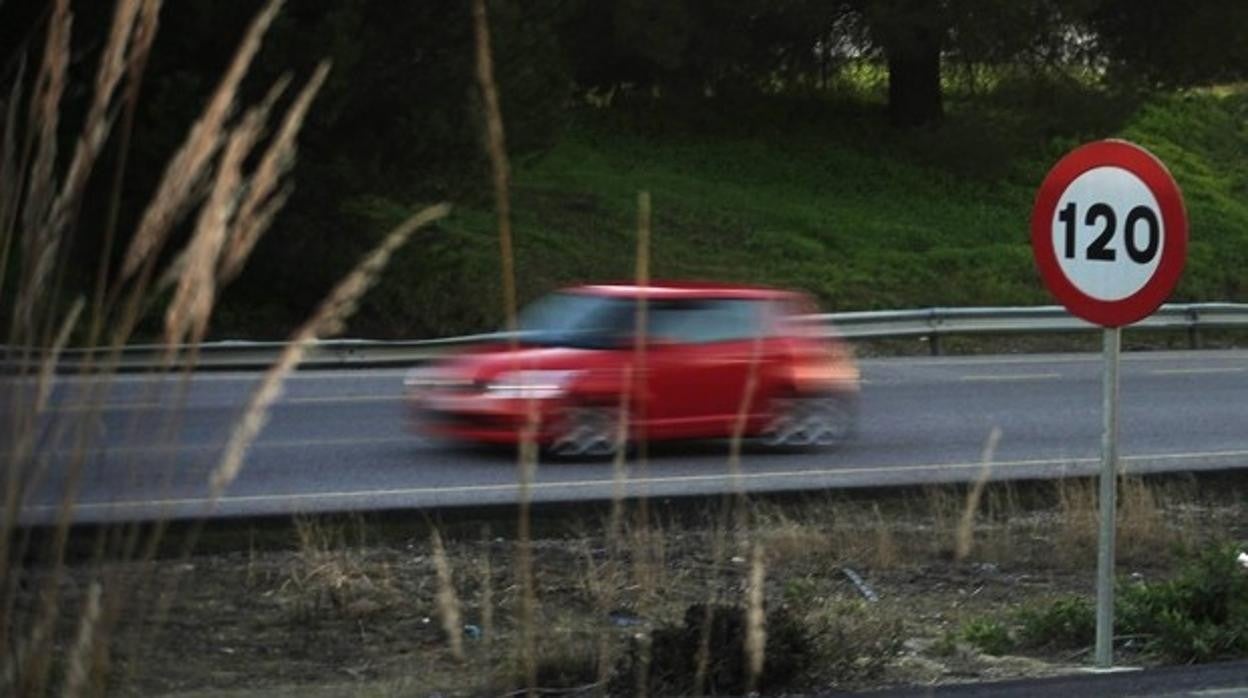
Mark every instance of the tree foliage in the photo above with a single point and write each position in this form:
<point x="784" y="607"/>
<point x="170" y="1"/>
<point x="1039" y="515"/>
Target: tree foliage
<point x="398" y="121"/>
<point x="1174" y="43"/>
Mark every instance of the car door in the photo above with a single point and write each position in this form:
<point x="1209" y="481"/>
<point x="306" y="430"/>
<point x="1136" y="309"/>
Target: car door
<point x="698" y="364"/>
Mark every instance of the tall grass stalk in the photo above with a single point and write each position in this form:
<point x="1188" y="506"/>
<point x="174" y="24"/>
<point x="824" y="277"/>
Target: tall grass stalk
<point x="78" y="675"/>
<point x="177" y="194"/>
<point x="10" y="173"/>
<point x="38" y="211"/>
<point x="144" y="34"/>
<point x="190" y="163"/>
<point x="39" y="240"/>
<point x="328" y="320"/>
<point x="965" y="534"/>
<point x="719" y="547"/>
<point x="756" y="618"/>
<point x="496" y="146"/>
<point x="447" y="601"/>
<point x="487" y="590"/>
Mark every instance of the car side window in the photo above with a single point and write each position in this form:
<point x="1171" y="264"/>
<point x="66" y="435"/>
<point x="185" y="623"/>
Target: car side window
<point x="704" y="321"/>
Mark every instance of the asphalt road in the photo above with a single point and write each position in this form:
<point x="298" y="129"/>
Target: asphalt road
<point x="1222" y="680"/>
<point x="338" y="440"/>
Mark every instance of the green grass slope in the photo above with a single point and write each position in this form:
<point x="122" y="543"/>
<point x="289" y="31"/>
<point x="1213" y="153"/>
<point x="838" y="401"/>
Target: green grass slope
<point x="825" y="199"/>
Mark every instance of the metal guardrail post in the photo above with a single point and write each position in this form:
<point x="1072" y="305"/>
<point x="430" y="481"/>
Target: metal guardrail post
<point x="933" y="339"/>
<point x="1193" y="328"/>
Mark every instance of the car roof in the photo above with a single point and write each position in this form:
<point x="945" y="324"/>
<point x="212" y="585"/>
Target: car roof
<point x="683" y="289"/>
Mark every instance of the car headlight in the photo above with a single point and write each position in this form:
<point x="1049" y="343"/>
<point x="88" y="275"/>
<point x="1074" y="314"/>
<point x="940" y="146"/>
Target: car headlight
<point x="535" y="385"/>
<point x="431" y="378"/>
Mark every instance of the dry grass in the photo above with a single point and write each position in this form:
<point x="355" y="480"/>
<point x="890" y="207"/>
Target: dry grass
<point x="943" y="510"/>
<point x="965" y="536"/>
<point x="784" y="537"/>
<point x="447" y="599"/>
<point x="331" y="575"/>
<point x="1078" y="516"/>
<point x="233" y="177"/>
<point x="756" y="630"/>
<point x="526" y="466"/>
<point x="189" y="166"/>
<point x="1142" y="529"/>
<point x="580" y="645"/>
<point x="886" y="553"/>
<point x="326" y="321"/>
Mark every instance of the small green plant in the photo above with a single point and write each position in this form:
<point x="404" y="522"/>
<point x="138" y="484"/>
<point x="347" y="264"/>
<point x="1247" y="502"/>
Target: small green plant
<point x="1066" y="623"/>
<point x="1200" y="616"/>
<point x="989" y="635"/>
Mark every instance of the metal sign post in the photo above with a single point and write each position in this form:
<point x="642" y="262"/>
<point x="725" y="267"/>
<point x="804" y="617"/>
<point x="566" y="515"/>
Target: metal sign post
<point x="1108" y="503"/>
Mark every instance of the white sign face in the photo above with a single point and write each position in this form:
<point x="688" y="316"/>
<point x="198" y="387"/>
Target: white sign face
<point x="1108" y="233"/>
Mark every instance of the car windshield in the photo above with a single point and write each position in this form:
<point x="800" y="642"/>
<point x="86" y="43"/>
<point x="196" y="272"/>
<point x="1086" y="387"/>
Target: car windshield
<point x="577" y="320"/>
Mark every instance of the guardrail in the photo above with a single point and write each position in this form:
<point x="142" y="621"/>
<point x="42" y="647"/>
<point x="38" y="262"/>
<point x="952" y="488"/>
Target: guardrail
<point x="932" y="323"/>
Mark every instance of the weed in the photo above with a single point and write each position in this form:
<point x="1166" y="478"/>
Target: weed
<point x="989" y="635"/>
<point x="1067" y="623"/>
<point x="1200" y="616"/>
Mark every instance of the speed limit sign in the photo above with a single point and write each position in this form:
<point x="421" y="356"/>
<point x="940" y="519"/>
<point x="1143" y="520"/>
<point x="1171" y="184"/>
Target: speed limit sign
<point x="1109" y="232"/>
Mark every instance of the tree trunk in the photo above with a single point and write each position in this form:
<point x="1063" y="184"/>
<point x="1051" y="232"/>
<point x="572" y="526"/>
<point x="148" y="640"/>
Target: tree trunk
<point x="914" y="92"/>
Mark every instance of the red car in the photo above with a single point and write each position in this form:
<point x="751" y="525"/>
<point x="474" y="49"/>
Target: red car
<point x="578" y="368"/>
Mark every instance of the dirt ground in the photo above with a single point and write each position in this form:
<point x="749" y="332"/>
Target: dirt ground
<point x="346" y="608"/>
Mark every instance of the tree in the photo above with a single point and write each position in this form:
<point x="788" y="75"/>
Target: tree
<point x="1166" y="43"/>
<point x="912" y="35"/>
<point x="691" y="48"/>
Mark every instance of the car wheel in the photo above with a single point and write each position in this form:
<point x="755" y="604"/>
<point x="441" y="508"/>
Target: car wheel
<point x="811" y="421"/>
<point x="586" y="432"/>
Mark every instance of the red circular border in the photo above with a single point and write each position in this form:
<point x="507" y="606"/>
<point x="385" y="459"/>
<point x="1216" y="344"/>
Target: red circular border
<point x="1150" y="170"/>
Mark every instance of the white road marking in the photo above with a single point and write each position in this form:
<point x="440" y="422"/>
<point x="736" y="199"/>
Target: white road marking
<point x="344" y="398"/>
<point x="1005" y="377"/>
<point x="1197" y="370"/>
<point x="242" y="375"/>
<point x="1080" y="358"/>
<point x="729" y="478"/>
<point x="289" y="443"/>
<point x="132" y="406"/>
